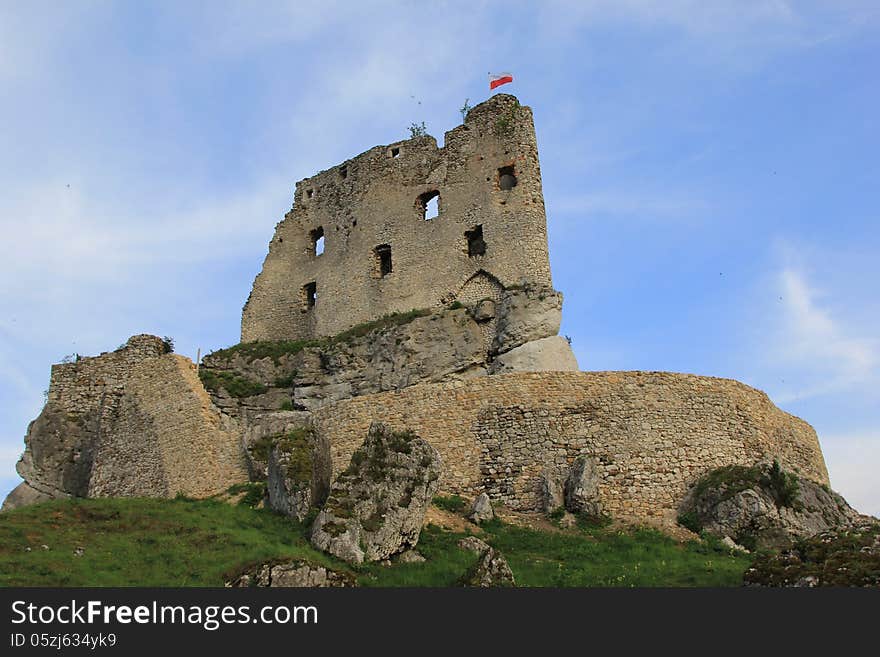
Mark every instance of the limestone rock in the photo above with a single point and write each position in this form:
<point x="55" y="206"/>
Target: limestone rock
<point x="491" y="570"/>
<point x="481" y="511"/>
<point x="289" y="574"/>
<point x="568" y="520"/>
<point x="552" y="354"/>
<point x="525" y="315"/>
<point x="581" y="488"/>
<point x="552" y="492"/>
<point x="410" y="556"/>
<point x="443" y="345"/>
<point x="259" y="434"/>
<point x="23" y="495"/>
<point x="841" y="557"/>
<point x="763" y="506"/>
<point x="377" y="505"/>
<point x="59" y="450"/>
<point x="298" y="473"/>
<point x="473" y="544"/>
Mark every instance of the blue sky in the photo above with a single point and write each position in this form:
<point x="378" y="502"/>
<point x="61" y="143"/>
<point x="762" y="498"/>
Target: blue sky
<point x="710" y="174"/>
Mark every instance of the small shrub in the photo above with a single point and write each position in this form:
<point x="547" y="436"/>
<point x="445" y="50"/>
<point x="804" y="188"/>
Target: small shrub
<point x="451" y="503"/>
<point x="456" y="305"/>
<point x="286" y="405"/>
<point x="236" y="386"/>
<point x="417" y="130"/>
<point x="168" y="344"/>
<point x="465" y="108"/>
<point x="783" y="485"/>
<point x="689" y="520"/>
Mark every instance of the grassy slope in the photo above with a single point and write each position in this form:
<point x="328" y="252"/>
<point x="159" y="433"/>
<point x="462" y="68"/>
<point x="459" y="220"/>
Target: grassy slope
<point x="138" y="542"/>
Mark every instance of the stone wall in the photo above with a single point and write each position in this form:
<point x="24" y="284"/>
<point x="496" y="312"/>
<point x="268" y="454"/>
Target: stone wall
<point x="652" y="433"/>
<point x="167" y="438"/>
<point x="133" y="422"/>
<point x="374" y="199"/>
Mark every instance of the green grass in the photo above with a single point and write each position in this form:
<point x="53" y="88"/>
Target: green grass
<point x="236" y="386"/>
<point x="275" y="350"/>
<point x="181" y="542"/>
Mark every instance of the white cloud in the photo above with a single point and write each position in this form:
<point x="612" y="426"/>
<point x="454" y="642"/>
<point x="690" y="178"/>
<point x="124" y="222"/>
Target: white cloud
<point x="852" y="460"/>
<point x="815" y="347"/>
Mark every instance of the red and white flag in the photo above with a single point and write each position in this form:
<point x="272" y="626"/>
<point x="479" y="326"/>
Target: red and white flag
<point x="497" y="79"/>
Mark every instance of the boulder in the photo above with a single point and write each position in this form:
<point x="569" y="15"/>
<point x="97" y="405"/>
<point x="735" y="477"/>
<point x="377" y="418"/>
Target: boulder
<point x="481" y="510"/>
<point x="298" y="473"/>
<point x="763" y="506"/>
<point x="581" y="490"/>
<point x="59" y="450"/>
<point x="410" y="556"/>
<point x="552" y="354"/>
<point x="377" y="505"/>
<point x="290" y="574"/>
<point x="23" y="495"/>
<point x="526" y="314"/>
<point x="473" y="544"/>
<point x="552" y="492"/>
<point x="491" y="570"/>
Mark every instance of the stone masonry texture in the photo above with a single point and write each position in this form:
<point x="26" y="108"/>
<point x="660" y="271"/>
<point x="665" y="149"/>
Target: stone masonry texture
<point x="376" y="200"/>
<point x="652" y="433"/>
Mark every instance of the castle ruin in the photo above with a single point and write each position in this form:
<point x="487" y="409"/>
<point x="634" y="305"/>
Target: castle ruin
<point x="361" y="240"/>
<point x="370" y="307"/>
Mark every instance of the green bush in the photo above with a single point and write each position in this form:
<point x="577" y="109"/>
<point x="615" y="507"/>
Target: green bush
<point x="451" y="503"/>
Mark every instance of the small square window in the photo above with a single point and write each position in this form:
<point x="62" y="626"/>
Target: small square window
<point x="382" y="261"/>
<point x="317" y="237"/>
<point x="309" y="295"/>
<point x="395" y="152"/>
<point x="476" y="243"/>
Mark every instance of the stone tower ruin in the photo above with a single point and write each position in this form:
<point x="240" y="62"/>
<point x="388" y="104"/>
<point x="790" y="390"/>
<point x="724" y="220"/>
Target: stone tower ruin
<point x="360" y="241"/>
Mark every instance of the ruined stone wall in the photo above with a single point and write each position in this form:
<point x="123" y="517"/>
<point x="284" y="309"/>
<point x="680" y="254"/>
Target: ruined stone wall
<point x="92" y="384"/>
<point x="136" y="421"/>
<point x="374" y="199"/>
<point x="652" y="433"/>
<point x="167" y="438"/>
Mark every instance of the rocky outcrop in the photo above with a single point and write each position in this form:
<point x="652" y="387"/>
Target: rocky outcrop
<point x="491" y="570"/>
<point x="581" y="490"/>
<point x="763" y="506"/>
<point x="23" y="495"/>
<point x="298" y="473"/>
<point x="526" y="314"/>
<point x="58" y="455"/>
<point x="552" y="354"/>
<point x="132" y="422"/>
<point x="395" y="352"/>
<point x="377" y="505"/>
<point x="846" y="557"/>
<point x="289" y="574"/>
<point x="259" y="434"/>
<point x="552" y="490"/>
<point x="481" y="510"/>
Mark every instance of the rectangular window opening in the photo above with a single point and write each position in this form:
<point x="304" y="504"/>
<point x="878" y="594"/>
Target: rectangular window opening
<point x="475" y="242"/>
<point x="383" y="260"/>
<point x="309" y="295"/>
<point x="317" y="237"/>
<point x="429" y="203"/>
<point x="395" y="152"/>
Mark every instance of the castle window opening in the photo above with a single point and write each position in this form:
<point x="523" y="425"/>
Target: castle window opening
<point x="310" y="193"/>
<point x="395" y="152"/>
<point x="429" y="202"/>
<point x="343" y="172"/>
<point x="309" y="295"/>
<point x="317" y="236"/>
<point x="382" y="264"/>
<point x="475" y="242"/>
<point x="506" y="178"/>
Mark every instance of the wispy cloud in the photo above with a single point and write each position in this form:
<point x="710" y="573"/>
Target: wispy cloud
<point x="817" y="348"/>
<point x="852" y="463"/>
